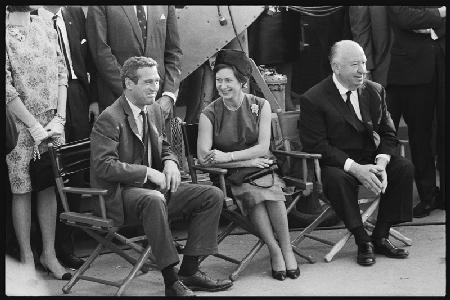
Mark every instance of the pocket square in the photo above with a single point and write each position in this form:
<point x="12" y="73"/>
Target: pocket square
<point x="163" y="17"/>
<point x="83" y="41"/>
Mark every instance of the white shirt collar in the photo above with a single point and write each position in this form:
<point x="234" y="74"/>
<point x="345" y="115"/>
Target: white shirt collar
<point x="342" y="90"/>
<point x="136" y="110"/>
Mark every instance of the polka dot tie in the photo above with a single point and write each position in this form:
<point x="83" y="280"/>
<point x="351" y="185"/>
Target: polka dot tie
<point x="142" y="19"/>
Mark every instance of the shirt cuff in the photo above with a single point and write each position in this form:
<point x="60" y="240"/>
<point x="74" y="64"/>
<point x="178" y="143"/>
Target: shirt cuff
<point x="433" y="34"/>
<point x="386" y="156"/>
<point x="348" y="164"/>
<point x="171" y="95"/>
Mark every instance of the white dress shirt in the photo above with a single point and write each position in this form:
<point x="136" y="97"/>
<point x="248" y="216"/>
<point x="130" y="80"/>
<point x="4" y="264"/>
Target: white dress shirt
<point x="354" y="100"/>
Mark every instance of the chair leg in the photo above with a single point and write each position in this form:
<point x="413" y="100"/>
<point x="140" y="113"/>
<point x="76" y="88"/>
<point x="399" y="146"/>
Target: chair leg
<point x="133" y="272"/>
<point x="230" y="227"/>
<point x="309" y="258"/>
<point x="246" y="260"/>
<point x="327" y="211"/>
<point x="392" y="232"/>
<point x="66" y="289"/>
<point x="337" y="247"/>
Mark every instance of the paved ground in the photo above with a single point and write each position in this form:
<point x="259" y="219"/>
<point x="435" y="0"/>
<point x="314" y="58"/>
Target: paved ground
<point x="422" y="274"/>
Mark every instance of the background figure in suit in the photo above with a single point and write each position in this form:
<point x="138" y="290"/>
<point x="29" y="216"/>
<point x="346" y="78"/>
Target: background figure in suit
<point x="82" y="105"/>
<point x="371" y="30"/>
<point x="414" y="86"/>
<point x="116" y="33"/>
<point x="131" y="158"/>
<point x="345" y="118"/>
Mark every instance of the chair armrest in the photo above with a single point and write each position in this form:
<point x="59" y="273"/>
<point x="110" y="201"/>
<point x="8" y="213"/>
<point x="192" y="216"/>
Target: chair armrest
<point x="218" y="171"/>
<point x="91" y="191"/>
<point x="298" y="154"/>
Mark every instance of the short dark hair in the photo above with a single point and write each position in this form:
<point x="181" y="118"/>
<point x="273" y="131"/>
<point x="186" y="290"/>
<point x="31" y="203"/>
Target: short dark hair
<point x="19" y="8"/>
<point x="239" y="76"/>
<point x="131" y="65"/>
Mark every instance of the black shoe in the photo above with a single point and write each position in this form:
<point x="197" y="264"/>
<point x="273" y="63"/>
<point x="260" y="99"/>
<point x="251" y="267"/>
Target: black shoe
<point x="70" y="261"/>
<point x="422" y="209"/>
<point x="179" y="289"/>
<point x="365" y="257"/>
<point x="201" y="282"/>
<point x="279" y="275"/>
<point x="385" y="247"/>
<point x="293" y="274"/>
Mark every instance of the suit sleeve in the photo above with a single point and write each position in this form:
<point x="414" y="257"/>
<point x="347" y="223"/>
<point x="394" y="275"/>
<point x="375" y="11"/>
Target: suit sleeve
<point x="361" y="28"/>
<point x="107" y="65"/>
<point x="172" y="54"/>
<point x="105" y="156"/>
<point x="313" y="134"/>
<point x="388" y="137"/>
<point x="410" y="18"/>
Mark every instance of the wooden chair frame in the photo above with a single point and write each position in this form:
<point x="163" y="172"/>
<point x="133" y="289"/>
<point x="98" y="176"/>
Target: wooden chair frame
<point x="72" y="158"/>
<point x="288" y="129"/>
<point x="230" y="211"/>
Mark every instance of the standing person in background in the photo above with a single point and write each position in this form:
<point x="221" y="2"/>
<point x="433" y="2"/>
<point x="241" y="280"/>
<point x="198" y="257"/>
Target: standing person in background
<point x="274" y="41"/>
<point x="36" y="87"/>
<point x="82" y="106"/>
<point x="413" y="89"/>
<point x="116" y="33"/>
<point x="371" y="30"/>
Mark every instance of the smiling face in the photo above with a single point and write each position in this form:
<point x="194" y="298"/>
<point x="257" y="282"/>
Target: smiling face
<point x="349" y="65"/>
<point x="227" y="84"/>
<point x="144" y="91"/>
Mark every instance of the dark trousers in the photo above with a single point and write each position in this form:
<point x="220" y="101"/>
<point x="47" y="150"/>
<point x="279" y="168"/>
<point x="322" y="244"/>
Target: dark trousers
<point x="77" y="127"/>
<point x="417" y="104"/>
<point x="201" y="205"/>
<point x="341" y="189"/>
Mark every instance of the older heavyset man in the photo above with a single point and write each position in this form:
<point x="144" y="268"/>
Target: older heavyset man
<point x="344" y="118"/>
<point x="131" y="158"/>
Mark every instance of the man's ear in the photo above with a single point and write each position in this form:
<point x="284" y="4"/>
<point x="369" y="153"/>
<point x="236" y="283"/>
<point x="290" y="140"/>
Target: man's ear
<point x="129" y="83"/>
<point x="335" y="67"/>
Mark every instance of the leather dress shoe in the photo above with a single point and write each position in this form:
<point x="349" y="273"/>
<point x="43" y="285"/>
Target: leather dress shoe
<point x="201" y="282"/>
<point x="385" y="247"/>
<point x="366" y="256"/>
<point x="70" y="261"/>
<point x="179" y="289"/>
<point x="423" y="209"/>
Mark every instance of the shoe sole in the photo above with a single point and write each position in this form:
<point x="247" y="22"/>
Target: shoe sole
<point x="203" y="289"/>
<point x="393" y="256"/>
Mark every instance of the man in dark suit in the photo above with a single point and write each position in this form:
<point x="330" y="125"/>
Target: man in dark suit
<point x="344" y="118"/>
<point x="116" y="33"/>
<point x="82" y="106"/>
<point x="131" y="158"/>
<point x="414" y="88"/>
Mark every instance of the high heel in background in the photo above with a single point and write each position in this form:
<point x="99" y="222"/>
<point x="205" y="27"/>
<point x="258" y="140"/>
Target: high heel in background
<point x="293" y="274"/>
<point x="279" y="275"/>
<point x="65" y="276"/>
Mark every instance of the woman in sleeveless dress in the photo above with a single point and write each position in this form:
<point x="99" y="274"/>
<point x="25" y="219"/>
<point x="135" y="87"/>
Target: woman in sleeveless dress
<point x="234" y="131"/>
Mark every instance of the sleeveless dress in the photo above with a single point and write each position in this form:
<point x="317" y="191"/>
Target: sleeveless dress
<point x="238" y="130"/>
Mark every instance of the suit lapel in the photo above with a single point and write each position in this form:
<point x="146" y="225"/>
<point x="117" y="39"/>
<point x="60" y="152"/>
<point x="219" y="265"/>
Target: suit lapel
<point x="131" y="14"/>
<point x="130" y="117"/>
<point x="339" y="104"/>
<point x="156" y="146"/>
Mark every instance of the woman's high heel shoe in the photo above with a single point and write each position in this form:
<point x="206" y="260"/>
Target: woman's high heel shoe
<point x="279" y="275"/>
<point x="65" y="276"/>
<point x="293" y="274"/>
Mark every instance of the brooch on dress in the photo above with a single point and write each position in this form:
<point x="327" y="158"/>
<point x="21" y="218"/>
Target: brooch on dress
<point x="255" y="109"/>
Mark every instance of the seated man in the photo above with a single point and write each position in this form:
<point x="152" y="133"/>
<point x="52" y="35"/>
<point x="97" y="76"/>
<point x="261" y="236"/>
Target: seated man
<point x="131" y="158"/>
<point x="345" y="119"/>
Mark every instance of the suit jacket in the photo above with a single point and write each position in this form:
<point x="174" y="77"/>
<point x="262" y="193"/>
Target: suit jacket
<point x="114" y="36"/>
<point x="117" y="152"/>
<point x="328" y="128"/>
<point x="414" y="55"/>
<point x="80" y="55"/>
<point x="371" y="29"/>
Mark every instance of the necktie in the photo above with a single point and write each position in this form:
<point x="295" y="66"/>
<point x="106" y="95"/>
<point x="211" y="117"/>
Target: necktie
<point x="350" y="105"/>
<point x="142" y="20"/>
<point x="145" y="136"/>
<point x="62" y="45"/>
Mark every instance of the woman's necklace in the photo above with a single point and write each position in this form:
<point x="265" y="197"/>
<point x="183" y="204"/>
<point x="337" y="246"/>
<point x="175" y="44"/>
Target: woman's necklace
<point x="234" y="108"/>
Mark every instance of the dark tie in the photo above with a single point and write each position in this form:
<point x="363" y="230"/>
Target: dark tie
<point x="350" y="105"/>
<point x="62" y="45"/>
<point x="142" y="21"/>
<point x="145" y="136"/>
